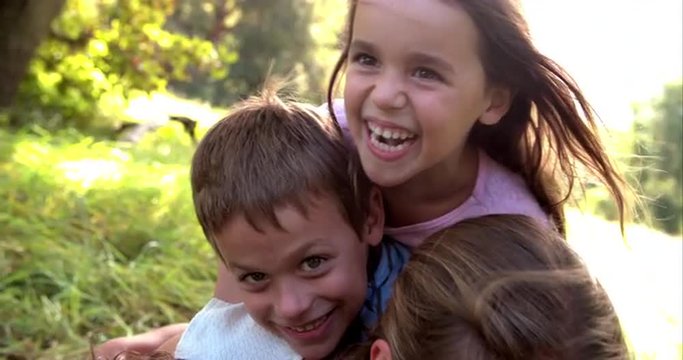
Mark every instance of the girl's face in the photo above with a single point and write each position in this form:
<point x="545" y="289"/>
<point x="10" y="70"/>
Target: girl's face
<point x="415" y="86"/>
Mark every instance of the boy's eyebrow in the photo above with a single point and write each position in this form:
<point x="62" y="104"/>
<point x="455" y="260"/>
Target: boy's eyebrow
<point x="296" y="253"/>
<point x="233" y="265"/>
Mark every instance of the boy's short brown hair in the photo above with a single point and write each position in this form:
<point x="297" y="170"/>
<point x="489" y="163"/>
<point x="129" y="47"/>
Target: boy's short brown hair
<point x="269" y="152"/>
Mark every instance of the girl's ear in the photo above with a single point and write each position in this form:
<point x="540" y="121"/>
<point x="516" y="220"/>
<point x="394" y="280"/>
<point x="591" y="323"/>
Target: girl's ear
<point x="500" y="99"/>
<point x="374" y="225"/>
<point x="380" y="350"/>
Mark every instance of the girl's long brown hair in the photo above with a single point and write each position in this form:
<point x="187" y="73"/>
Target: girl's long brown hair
<point x="550" y="133"/>
<point x="498" y="287"/>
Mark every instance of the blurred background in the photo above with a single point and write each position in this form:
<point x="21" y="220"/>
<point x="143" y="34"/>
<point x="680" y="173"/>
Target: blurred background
<point x="102" y="102"/>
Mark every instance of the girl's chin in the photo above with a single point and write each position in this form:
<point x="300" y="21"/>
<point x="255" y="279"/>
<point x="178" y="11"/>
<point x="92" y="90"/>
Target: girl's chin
<point x="384" y="179"/>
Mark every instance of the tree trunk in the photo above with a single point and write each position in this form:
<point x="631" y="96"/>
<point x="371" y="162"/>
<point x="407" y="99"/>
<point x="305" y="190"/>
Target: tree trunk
<point x="23" y="25"/>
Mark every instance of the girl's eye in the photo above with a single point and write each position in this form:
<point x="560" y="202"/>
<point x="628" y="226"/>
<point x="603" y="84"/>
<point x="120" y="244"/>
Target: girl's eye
<point x="253" y="278"/>
<point x="427" y="74"/>
<point x="312" y="263"/>
<point x="364" y="59"/>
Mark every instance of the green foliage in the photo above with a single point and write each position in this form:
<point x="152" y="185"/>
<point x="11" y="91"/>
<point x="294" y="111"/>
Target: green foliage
<point x="105" y="50"/>
<point x="98" y="240"/>
<point x="650" y="154"/>
<point x="658" y="148"/>
<point x="101" y="52"/>
<point x="295" y="39"/>
<point x="275" y="33"/>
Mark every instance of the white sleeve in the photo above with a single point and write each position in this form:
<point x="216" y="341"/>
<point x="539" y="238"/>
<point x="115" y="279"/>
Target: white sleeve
<point x="226" y="331"/>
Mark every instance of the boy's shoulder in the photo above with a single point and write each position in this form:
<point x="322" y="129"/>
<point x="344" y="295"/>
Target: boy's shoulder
<point x="222" y="330"/>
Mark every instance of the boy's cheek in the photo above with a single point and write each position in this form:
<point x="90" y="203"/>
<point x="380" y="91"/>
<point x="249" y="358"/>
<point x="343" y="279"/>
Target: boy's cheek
<point x="349" y="285"/>
<point x="257" y="307"/>
<point x="227" y="287"/>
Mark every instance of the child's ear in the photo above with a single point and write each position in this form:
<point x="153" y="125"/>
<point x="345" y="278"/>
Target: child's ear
<point x="380" y="350"/>
<point x="500" y="100"/>
<point x="374" y="225"/>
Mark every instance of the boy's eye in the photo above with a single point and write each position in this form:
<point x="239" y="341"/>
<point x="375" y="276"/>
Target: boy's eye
<point x="364" y="59"/>
<point x="427" y="74"/>
<point x="312" y="263"/>
<point x="253" y="278"/>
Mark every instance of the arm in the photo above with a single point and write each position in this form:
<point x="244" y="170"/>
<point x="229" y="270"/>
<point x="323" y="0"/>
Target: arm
<point x="143" y="343"/>
<point x="170" y="345"/>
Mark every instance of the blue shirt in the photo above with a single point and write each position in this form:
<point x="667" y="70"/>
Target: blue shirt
<point x="385" y="266"/>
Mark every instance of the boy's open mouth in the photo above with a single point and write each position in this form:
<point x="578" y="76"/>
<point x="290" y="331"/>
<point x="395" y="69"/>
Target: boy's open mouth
<point x="310" y="326"/>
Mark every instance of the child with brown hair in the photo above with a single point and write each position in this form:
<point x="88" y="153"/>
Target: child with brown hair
<point x="282" y="200"/>
<point x="456" y="114"/>
<point x="496" y="287"/>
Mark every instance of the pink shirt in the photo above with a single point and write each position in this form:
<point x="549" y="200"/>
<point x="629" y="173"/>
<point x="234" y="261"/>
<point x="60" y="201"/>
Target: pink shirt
<point x="497" y="191"/>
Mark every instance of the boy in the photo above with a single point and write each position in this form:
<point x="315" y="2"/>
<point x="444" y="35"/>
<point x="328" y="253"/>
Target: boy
<point x="283" y="202"/>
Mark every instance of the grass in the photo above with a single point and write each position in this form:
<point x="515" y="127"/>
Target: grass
<point x="98" y="239"/>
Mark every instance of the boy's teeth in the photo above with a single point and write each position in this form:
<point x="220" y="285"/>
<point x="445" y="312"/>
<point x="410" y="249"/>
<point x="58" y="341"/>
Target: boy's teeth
<point x="309" y="326"/>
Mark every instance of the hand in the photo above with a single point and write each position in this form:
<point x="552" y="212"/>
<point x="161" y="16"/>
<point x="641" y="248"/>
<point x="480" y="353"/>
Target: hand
<point x="109" y="349"/>
<point x="144" y="343"/>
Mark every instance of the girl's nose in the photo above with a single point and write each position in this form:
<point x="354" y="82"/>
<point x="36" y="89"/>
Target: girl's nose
<point x="388" y="92"/>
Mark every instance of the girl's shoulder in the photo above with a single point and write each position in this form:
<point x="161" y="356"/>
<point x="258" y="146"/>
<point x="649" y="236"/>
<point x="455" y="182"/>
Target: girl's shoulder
<point x="497" y="191"/>
<point x="339" y="112"/>
<point x="501" y="191"/>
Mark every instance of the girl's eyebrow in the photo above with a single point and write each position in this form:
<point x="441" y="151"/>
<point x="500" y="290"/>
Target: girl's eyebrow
<point x="361" y="45"/>
<point x="430" y="60"/>
<point x="414" y="57"/>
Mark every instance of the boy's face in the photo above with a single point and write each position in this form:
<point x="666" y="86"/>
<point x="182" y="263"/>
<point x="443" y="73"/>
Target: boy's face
<point x="307" y="282"/>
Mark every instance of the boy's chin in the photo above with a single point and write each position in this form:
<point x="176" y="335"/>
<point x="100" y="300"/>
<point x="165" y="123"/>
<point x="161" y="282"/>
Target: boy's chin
<point x="317" y="350"/>
<point x="315" y="354"/>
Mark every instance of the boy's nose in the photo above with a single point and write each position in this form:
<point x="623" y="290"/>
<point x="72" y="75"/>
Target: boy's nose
<point x="293" y="301"/>
<point x="388" y="92"/>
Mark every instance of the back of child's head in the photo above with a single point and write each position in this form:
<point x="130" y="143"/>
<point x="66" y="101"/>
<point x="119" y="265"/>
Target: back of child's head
<point x="270" y="152"/>
<point x="499" y="287"/>
<point x="549" y="135"/>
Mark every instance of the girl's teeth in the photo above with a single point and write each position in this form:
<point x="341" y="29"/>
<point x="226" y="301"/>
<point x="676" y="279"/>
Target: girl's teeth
<point x="386" y="147"/>
<point x="389" y="140"/>
<point x="389" y="134"/>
